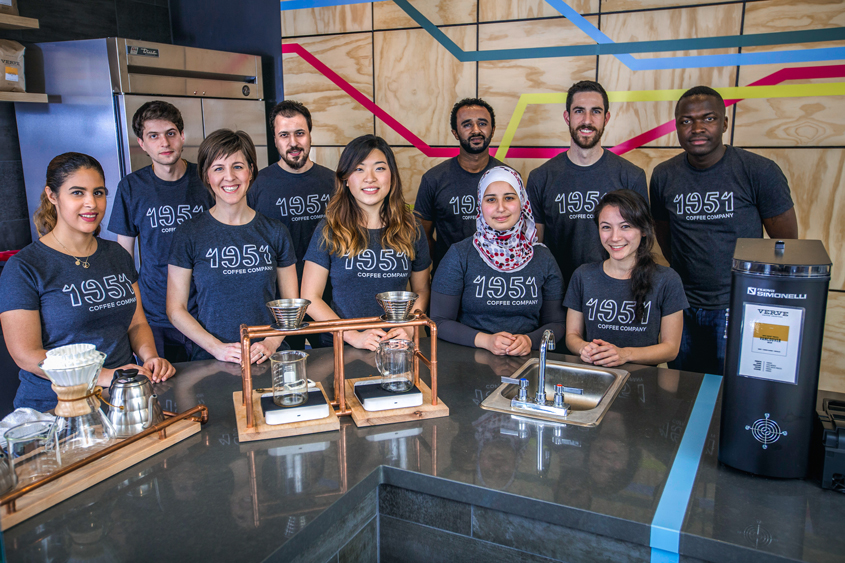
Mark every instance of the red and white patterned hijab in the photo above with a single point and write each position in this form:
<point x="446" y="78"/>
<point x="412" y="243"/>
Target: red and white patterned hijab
<point x="511" y="250"/>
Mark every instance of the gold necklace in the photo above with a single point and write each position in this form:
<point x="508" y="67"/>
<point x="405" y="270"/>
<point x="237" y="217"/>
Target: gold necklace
<point x="79" y="261"/>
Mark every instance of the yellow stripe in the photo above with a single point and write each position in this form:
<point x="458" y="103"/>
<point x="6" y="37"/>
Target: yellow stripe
<point x="733" y="93"/>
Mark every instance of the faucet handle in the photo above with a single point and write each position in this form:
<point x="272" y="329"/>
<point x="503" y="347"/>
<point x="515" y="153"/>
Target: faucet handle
<point x="549" y="339"/>
<point x="559" y="395"/>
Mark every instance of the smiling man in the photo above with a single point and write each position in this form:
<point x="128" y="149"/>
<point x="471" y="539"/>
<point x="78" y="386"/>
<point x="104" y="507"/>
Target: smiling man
<point x="149" y="204"/>
<point x="446" y="199"/>
<point x="565" y="190"/>
<point x="703" y="200"/>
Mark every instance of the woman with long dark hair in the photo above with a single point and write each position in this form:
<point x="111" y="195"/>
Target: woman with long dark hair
<point x="72" y="287"/>
<point x="368" y="243"/>
<point x="237" y="259"/>
<point x="626" y="308"/>
<point x="499" y="289"/>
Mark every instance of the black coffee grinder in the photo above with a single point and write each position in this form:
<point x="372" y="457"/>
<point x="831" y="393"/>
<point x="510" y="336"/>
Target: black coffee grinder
<point x="778" y="302"/>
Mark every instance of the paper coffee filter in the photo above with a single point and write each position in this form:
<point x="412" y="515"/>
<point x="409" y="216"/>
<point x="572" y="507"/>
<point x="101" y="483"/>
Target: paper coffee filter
<point x="75" y="368"/>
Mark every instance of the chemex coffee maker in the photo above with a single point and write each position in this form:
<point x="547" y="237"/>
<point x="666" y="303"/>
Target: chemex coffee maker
<point x="297" y="405"/>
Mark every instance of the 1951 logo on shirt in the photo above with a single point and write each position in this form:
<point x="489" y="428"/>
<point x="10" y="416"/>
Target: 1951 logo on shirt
<point x="311" y="207"/>
<point x="609" y="311"/>
<point x="695" y="208"/>
<point x="165" y="216"/>
<point x="578" y="205"/>
<point x="387" y="261"/>
<point x="235" y="260"/>
<point x="91" y="291"/>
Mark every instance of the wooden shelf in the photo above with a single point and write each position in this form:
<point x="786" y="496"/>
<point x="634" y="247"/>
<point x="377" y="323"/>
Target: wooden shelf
<point x="23" y="97"/>
<point x="8" y="21"/>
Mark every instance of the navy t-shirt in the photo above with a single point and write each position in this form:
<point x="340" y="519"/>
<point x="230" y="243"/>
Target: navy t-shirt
<point x="150" y="208"/>
<point x="358" y="279"/>
<point x="234" y="269"/>
<point x="297" y="200"/>
<point x="77" y="305"/>
<point x="708" y="210"/>
<point x="608" y="305"/>
<point x="448" y="197"/>
<point x="494" y="301"/>
<point x="563" y="197"/>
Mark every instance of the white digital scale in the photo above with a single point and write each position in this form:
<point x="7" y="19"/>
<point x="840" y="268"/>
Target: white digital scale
<point x="314" y="408"/>
<point x="374" y="398"/>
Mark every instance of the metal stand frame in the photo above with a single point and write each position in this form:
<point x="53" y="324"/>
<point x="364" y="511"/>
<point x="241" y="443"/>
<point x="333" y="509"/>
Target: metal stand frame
<point x="337" y="328"/>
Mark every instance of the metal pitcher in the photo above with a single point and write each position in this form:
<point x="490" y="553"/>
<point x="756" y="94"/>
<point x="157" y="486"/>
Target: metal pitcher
<point x="134" y="406"/>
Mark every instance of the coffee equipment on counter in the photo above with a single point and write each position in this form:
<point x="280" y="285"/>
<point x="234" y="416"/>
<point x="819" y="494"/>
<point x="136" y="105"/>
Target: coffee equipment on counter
<point x="81" y="426"/>
<point x="397" y="305"/>
<point x="774" y="343"/>
<point x="8" y="478"/>
<point x="134" y="407"/>
<point x="395" y="363"/>
<point x="290" y="383"/>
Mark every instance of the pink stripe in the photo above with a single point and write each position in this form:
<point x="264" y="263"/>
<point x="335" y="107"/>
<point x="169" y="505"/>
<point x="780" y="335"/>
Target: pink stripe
<point x="782" y="75"/>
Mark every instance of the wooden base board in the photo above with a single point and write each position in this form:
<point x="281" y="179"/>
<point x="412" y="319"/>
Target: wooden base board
<point x="77" y="481"/>
<point x="264" y="431"/>
<point x="392" y="416"/>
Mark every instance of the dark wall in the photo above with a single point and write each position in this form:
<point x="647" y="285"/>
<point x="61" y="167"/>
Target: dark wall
<point x="59" y="20"/>
<point x="63" y="20"/>
<point x="253" y="27"/>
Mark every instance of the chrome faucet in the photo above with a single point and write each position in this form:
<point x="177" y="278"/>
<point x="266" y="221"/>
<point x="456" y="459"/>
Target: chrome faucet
<point x="548" y="343"/>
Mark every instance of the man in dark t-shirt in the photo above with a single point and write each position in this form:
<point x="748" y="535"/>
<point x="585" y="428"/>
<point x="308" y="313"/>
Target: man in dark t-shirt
<point x="149" y="205"/>
<point x="565" y="190"/>
<point x="447" y="196"/>
<point x="702" y="201"/>
<point x="294" y="190"/>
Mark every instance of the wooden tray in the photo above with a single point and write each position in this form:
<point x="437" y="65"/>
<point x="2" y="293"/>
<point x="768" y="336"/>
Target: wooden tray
<point x="391" y="416"/>
<point x="264" y="431"/>
<point x="51" y="494"/>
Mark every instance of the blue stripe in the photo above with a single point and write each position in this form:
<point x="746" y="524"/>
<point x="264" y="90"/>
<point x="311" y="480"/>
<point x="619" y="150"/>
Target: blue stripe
<point x="606" y="46"/>
<point x="669" y="516"/>
<point x="305" y="4"/>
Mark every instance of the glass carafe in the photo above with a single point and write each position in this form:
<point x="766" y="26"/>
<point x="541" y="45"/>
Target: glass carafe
<point x="81" y="426"/>
<point x="290" y="384"/>
<point x="395" y="362"/>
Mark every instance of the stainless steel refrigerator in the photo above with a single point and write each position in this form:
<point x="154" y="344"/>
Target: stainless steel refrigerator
<point x="95" y="86"/>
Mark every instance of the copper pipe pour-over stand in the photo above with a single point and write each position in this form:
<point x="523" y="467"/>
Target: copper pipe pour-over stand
<point x="337" y="328"/>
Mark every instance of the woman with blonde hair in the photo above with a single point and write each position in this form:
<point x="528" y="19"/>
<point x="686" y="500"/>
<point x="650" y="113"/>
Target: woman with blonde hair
<point x="72" y="287"/>
<point x="368" y="243"/>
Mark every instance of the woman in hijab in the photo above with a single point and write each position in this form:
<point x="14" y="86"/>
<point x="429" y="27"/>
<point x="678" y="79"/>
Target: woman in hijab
<point x="499" y="289"/>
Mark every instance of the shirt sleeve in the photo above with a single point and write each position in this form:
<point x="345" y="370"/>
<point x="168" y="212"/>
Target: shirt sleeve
<point x="575" y="293"/>
<point x="639" y="184"/>
<point x="120" y="221"/>
<point x="535" y="197"/>
<point x="318" y="251"/>
<point x="773" y="196"/>
<point x="553" y="286"/>
<point x="444" y="312"/>
<point x="658" y="210"/>
<point x="18" y="287"/>
<point x="422" y="258"/>
<point x="424" y="202"/>
<point x="674" y="298"/>
<point x="182" y="247"/>
<point x="449" y="277"/>
<point x="285" y="255"/>
<point x="126" y="263"/>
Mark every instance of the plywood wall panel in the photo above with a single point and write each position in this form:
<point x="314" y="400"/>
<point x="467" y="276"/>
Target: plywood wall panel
<point x="818" y="189"/>
<point x="326" y="156"/>
<point x="806" y="121"/>
<point x="332" y="19"/>
<point x="832" y="373"/>
<point x="631" y="119"/>
<point x="498" y="10"/>
<point x="626" y="5"/>
<point x="387" y="15"/>
<point x="337" y="117"/>
<point x="418" y="81"/>
<point x="501" y="83"/>
<point x="412" y="165"/>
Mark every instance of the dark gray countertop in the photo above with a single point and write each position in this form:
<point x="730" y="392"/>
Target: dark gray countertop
<point x="212" y="498"/>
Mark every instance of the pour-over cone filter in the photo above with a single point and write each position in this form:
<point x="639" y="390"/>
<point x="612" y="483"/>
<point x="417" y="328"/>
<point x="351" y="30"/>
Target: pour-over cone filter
<point x="75" y="364"/>
<point x="288" y="313"/>
<point x="397" y="305"/>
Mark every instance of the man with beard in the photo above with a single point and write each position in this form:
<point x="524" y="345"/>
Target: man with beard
<point x="565" y="190"/>
<point x="149" y="204"/>
<point x="703" y="200"/>
<point x="294" y="190"/>
<point x="446" y="198"/>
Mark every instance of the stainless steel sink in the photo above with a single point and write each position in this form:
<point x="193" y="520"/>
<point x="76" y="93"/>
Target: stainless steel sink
<point x="598" y="388"/>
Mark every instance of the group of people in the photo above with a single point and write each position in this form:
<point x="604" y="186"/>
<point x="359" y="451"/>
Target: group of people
<point x="571" y="252"/>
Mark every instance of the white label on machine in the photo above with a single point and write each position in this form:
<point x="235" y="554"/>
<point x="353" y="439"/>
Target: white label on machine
<point x="771" y="342"/>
